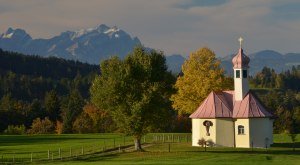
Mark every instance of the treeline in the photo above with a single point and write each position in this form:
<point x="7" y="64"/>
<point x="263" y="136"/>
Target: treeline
<point x="268" y="78"/>
<point x="280" y="93"/>
<point x="51" y="95"/>
<point x="34" y="88"/>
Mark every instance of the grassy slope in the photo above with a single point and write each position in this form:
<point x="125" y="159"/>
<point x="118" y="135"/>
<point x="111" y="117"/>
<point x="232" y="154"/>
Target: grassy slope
<point x="181" y="153"/>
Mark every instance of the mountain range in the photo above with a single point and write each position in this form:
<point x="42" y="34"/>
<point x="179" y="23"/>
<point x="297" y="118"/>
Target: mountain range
<point x="87" y="45"/>
<point x="266" y="58"/>
<point x="93" y="45"/>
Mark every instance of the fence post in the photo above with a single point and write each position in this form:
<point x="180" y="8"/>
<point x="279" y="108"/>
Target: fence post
<point x="52" y="155"/>
<point x="70" y="151"/>
<point x="114" y="143"/>
<point x="163" y="138"/>
<point x="48" y="154"/>
<point x="173" y="138"/>
<point x="104" y="144"/>
<point x="187" y="139"/>
<point x="124" y="140"/>
<point x="59" y="154"/>
<point x="82" y="151"/>
<point x="31" y="157"/>
<point x="14" y="158"/>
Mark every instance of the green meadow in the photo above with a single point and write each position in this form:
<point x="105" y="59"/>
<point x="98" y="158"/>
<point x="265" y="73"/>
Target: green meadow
<point x="117" y="149"/>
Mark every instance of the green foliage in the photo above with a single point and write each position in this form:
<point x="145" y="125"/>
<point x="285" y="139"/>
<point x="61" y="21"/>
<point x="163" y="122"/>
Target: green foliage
<point x="201" y="75"/>
<point x="135" y="92"/>
<point x="15" y="130"/>
<point x="32" y="86"/>
<point x="52" y="105"/>
<point x="71" y="108"/>
<point x="268" y="78"/>
<point x="282" y="97"/>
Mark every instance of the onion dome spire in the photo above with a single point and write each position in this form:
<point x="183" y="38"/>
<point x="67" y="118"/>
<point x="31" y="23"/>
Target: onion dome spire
<point x="240" y="60"/>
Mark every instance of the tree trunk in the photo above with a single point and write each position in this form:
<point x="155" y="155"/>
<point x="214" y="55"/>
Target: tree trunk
<point x="137" y="144"/>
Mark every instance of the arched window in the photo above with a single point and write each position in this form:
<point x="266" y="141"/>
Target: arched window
<point x="241" y="130"/>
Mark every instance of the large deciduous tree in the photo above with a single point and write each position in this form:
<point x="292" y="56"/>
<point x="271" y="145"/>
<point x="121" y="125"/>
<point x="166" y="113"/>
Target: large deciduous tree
<point x="135" y="92"/>
<point x="201" y="74"/>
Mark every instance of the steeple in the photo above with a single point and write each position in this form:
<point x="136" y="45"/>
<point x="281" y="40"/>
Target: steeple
<point x="240" y="65"/>
<point x="240" y="60"/>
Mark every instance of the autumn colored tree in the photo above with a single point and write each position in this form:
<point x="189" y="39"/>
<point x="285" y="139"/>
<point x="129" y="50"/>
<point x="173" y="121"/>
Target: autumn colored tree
<point x="135" y="92"/>
<point x="201" y="75"/>
<point x="102" y="120"/>
<point x="83" y="124"/>
<point x="42" y="126"/>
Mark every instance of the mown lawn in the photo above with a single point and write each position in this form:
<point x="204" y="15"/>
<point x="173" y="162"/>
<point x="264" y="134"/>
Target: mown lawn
<point x="155" y="153"/>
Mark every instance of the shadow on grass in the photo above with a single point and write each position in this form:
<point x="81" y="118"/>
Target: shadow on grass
<point x="44" y="139"/>
<point x="272" y="151"/>
<point x="96" y="157"/>
<point x="286" y="145"/>
<point x="21" y="141"/>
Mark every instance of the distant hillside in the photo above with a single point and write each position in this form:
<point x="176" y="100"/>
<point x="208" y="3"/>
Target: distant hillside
<point x="31" y="77"/>
<point x="52" y="67"/>
<point x="269" y="58"/>
<point x="175" y="62"/>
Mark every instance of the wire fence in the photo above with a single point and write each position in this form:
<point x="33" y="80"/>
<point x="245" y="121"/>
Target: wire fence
<point x="106" y="145"/>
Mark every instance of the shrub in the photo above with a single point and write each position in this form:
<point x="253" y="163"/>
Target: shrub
<point x="42" y="126"/>
<point x="83" y="124"/>
<point x="202" y="142"/>
<point x="58" y="127"/>
<point x="102" y="121"/>
<point x="15" y="130"/>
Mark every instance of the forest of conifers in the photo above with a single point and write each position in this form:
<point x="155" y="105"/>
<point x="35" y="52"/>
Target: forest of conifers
<point x="38" y="94"/>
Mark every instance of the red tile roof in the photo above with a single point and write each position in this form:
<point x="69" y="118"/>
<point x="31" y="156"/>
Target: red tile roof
<point x="222" y="105"/>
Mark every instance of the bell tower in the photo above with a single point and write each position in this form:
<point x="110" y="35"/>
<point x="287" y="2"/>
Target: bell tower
<point x="240" y="66"/>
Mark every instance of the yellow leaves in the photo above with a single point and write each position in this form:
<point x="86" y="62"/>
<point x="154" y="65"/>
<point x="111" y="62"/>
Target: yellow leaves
<point x="201" y="75"/>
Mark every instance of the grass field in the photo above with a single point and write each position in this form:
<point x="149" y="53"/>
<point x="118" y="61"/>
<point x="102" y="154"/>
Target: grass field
<point x="19" y="149"/>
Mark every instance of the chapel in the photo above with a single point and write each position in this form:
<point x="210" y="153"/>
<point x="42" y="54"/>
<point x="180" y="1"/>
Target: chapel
<point x="234" y="118"/>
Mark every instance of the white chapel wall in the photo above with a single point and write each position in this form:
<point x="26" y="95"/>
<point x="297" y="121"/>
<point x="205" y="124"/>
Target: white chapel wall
<point x="199" y="131"/>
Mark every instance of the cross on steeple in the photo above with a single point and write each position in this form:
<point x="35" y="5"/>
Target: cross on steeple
<point x="241" y="41"/>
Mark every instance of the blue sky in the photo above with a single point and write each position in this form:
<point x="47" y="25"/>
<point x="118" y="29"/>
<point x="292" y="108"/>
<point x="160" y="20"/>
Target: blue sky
<point x="174" y="26"/>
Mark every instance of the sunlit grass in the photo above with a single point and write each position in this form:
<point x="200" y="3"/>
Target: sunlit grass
<point x="176" y="149"/>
